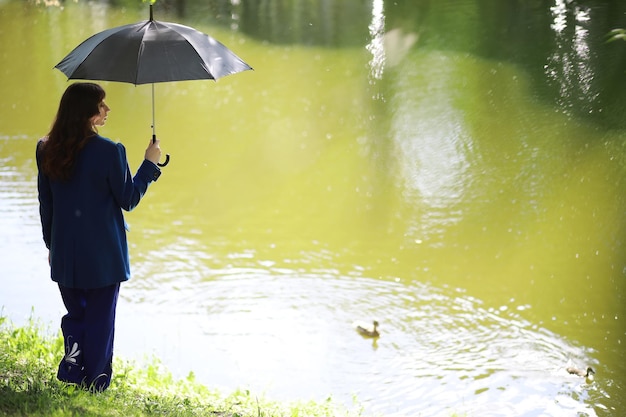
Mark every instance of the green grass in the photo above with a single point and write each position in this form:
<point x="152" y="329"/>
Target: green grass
<point x="28" y="387"/>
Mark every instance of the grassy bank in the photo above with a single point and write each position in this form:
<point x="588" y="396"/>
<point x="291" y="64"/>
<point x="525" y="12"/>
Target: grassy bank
<point x="28" y="387"/>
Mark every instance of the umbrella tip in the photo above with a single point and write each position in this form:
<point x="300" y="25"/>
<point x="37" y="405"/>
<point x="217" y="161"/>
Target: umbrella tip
<point x="151" y="18"/>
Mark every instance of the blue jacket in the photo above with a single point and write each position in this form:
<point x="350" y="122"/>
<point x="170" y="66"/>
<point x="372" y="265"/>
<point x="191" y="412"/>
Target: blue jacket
<point x="82" y="220"/>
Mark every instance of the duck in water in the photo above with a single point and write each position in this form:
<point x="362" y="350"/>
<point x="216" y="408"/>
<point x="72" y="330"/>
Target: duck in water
<point x="587" y="374"/>
<point x="367" y="330"/>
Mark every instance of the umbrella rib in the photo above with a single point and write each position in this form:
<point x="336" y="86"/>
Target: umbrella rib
<point x="184" y="35"/>
<point x="98" y="39"/>
<point x="191" y="43"/>
<point x="143" y="29"/>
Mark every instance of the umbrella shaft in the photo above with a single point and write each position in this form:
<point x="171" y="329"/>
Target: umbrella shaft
<point x="153" y="122"/>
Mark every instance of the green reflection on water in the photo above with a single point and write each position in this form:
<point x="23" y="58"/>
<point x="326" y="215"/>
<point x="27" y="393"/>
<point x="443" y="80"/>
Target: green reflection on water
<point x="445" y="170"/>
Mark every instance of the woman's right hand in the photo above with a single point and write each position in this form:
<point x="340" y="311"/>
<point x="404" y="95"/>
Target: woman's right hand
<point x="153" y="152"/>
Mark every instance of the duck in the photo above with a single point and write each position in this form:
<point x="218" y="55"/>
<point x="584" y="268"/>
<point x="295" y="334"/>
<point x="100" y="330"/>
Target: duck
<point x="588" y="373"/>
<point x="367" y="330"/>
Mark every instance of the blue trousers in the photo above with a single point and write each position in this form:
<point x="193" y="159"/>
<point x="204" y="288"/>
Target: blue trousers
<point x="88" y="330"/>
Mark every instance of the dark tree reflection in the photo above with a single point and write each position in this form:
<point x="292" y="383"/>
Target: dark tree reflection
<point x="561" y="43"/>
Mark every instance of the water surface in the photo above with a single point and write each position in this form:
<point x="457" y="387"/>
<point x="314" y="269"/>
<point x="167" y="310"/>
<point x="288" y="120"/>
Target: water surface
<point x="406" y="167"/>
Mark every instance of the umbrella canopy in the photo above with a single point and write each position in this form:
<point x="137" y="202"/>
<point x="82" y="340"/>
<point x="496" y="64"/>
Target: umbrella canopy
<point x="150" y="52"/>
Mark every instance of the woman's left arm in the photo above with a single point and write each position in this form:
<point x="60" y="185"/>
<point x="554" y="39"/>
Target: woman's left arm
<point x="129" y="190"/>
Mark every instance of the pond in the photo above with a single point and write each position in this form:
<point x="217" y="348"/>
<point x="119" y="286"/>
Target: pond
<point x="454" y="169"/>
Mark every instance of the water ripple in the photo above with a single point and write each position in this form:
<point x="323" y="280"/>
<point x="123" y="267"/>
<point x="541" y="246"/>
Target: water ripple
<point x="288" y="332"/>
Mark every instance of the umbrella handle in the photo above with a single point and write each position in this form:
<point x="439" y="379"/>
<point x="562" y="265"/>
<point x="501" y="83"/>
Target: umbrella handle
<point x="167" y="155"/>
<point x="167" y="160"/>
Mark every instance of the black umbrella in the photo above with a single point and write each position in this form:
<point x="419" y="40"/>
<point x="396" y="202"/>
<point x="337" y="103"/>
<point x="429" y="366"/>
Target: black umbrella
<point x="150" y="52"/>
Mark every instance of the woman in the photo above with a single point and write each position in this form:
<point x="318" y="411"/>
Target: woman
<point x="84" y="182"/>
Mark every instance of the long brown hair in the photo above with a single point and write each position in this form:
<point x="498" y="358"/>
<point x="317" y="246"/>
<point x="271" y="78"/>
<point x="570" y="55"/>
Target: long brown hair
<point x="71" y="129"/>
